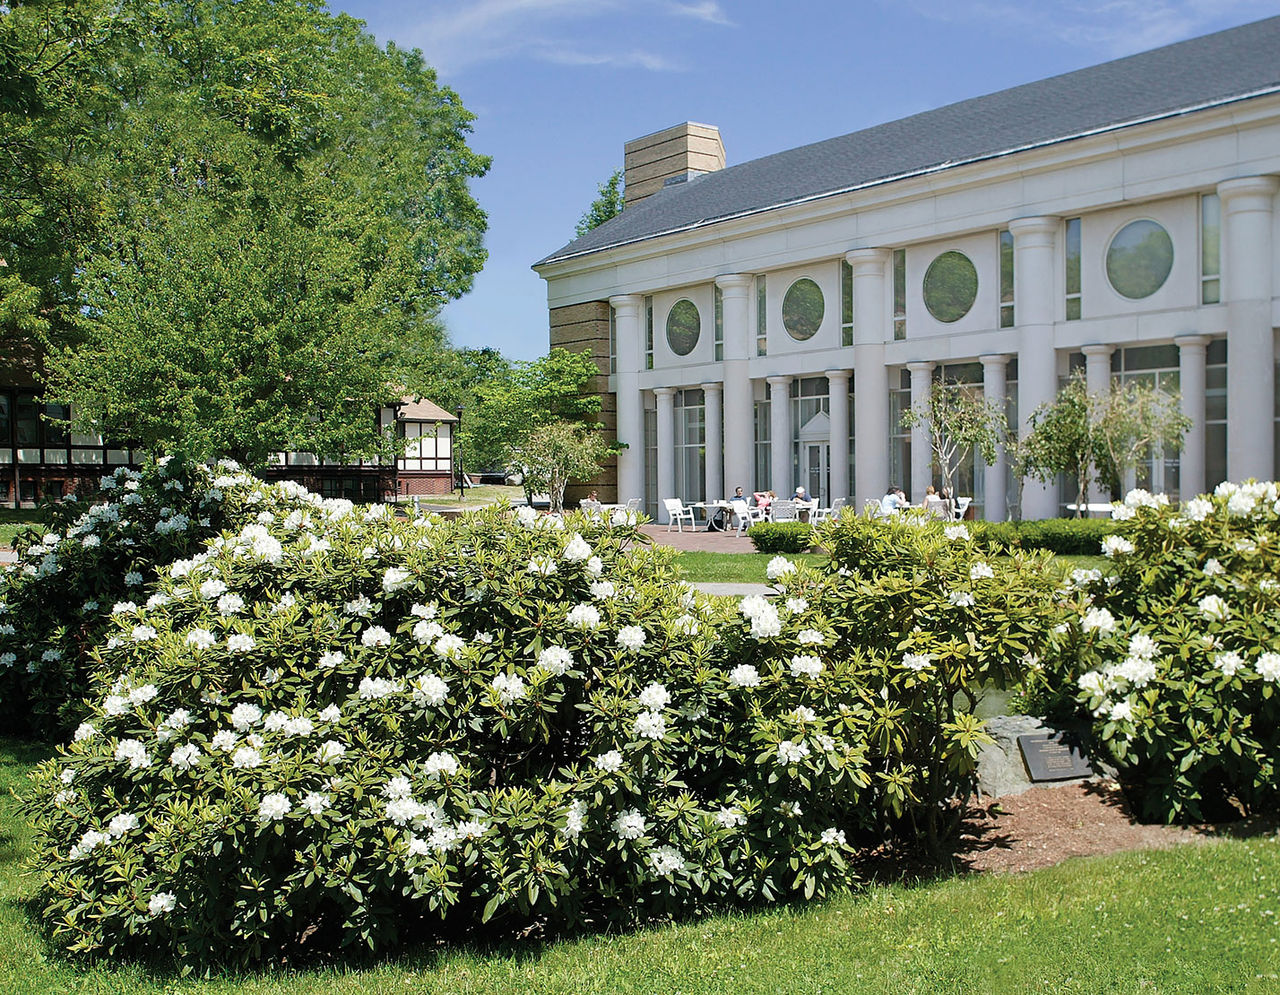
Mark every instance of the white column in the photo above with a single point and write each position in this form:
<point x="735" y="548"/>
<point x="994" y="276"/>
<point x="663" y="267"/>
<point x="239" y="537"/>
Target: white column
<point x="1097" y="369"/>
<point x="666" y="448"/>
<point x="1247" y="205"/>
<point x="921" y="450"/>
<point x="1191" y="380"/>
<point x="739" y="404"/>
<point x="870" y="381"/>
<point x="628" y="312"/>
<point x="1034" y="304"/>
<point x="994" y="391"/>
<point x="780" y="435"/>
<point x="715" y="447"/>
<point x="838" y="401"/>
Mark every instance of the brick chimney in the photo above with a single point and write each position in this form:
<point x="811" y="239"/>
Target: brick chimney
<point x="673" y="155"/>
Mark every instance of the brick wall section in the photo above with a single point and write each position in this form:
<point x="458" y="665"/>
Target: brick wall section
<point x="685" y="150"/>
<point x="586" y="326"/>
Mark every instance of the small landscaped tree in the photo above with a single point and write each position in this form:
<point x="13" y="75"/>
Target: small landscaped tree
<point x="1093" y="436"/>
<point x="959" y="420"/>
<point x="1131" y="422"/>
<point x="1060" y="440"/>
<point x="552" y="455"/>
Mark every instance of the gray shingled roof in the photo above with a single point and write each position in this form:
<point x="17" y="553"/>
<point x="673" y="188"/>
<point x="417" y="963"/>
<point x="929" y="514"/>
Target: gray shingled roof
<point x="1180" y="78"/>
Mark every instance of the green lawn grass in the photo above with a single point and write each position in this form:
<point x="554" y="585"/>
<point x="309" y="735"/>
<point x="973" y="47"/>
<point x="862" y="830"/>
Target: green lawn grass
<point x="1199" y="919"/>
<point x="735" y="568"/>
<point x="14" y="520"/>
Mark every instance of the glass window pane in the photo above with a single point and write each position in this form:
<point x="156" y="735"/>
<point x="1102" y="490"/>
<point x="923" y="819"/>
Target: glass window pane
<point x="1139" y="259"/>
<point x="1073" y="308"/>
<point x="6" y="426"/>
<point x="950" y="286"/>
<point x="846" y="293"/>
<point x="802" y="309"/>
<point x="684" y="324"/>
<point x="899" y="282"/>
<point x="27" y="420"/>
<point x="1073" y="256"/>
<point x="1210" y="235"/>
<point x="762" y="339"/>
<point x="1211" y="291"/>
<point x="719" y="331"/>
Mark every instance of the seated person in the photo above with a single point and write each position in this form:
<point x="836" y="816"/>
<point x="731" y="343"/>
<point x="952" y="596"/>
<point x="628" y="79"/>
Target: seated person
<point x="763" y="499"/>
<point x="890" y="503"/>
<point x="800" y="494"/>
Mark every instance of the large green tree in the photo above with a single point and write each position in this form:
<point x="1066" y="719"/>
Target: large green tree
<point x="282" y="207"/>
<point x="531" y="394"/>
<point x="61" y="66"/>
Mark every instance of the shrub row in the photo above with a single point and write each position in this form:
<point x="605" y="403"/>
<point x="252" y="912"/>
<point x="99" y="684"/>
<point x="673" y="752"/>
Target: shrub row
<point x="1065" y="536"/>
<point x="781" y="537"/>
<point x="330" y="723"/>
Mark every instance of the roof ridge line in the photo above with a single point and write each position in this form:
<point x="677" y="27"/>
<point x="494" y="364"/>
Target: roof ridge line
<point x="923" y="171"/>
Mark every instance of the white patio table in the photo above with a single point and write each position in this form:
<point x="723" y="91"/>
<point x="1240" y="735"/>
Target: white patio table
<point x="713" y="511"/>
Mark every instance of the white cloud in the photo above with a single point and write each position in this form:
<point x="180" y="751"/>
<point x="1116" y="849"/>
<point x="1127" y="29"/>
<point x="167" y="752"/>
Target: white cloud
<point x="1110" y="27"/>
<point x="585" y="33"/>
<point x="619" y="60"/>
<point x="703" y="10"/>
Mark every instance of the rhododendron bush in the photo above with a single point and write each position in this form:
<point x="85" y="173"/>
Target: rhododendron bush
<point x="913" y="622"/>
<point x="56" y="601"/>
<point x="1175" y="654"/>
<point x="336" y="727"/>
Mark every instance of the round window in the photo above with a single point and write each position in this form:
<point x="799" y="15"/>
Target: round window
<point x="1139" y="259"/>
<point x="950" y="286"/>
<point x="683" y="325"/>
<point x="802" y="309"/>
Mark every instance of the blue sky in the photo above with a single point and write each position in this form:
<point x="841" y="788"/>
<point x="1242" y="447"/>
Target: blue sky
<point x="559" y="85"/>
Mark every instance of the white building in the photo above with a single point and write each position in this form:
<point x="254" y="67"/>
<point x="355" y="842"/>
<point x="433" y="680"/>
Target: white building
<point x="1121" y="219"/>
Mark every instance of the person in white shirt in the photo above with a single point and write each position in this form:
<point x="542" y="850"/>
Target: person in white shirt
<point x="890" y="503"/>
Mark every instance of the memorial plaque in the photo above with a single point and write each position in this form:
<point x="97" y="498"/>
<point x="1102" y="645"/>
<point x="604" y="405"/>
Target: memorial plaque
<point x="1053" y="757"/>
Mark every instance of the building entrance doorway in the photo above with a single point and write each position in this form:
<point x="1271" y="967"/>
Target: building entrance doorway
<point x="815" y="457"/>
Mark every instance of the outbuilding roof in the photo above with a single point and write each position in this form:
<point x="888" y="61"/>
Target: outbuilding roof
<point x="1236" y="64"/>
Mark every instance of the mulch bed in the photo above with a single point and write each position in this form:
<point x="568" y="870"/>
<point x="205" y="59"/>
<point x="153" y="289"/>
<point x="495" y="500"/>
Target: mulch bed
<point x="1045" y="826"/>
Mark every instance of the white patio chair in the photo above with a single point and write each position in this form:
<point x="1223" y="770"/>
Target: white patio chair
<point x="935" y="506"/>
<point x="633" y="504"/>
<point x="822" y="514"/>
<point x="678" y="513"/>
<point x="784" y="510"/>
<point x="745" y="515"/>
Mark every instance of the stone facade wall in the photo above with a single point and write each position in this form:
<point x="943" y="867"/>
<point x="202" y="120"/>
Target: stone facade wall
<point x="586" y="326"/>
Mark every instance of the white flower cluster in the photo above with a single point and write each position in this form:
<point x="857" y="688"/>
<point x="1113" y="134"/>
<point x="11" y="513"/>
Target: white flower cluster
<point x="765" y="621"/>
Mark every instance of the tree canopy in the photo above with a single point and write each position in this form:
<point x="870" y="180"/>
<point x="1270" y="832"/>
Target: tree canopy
<point x="530" y="395"/>
<point x="608" y="203"/>
<point x="276" y="209"/>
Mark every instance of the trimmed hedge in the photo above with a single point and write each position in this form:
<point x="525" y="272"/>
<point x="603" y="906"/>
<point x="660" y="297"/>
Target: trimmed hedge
<point x="1070" y="536"/>
<point x="781" y="537"/>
